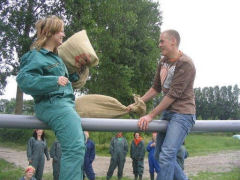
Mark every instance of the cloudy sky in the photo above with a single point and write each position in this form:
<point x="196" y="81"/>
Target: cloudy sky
<point x="210" y="33"/>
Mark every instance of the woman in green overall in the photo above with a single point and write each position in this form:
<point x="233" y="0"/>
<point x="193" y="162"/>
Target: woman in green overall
<point x="137" y="153"/>
<point x="36" y="148"/>
<point x="44" y="76"/>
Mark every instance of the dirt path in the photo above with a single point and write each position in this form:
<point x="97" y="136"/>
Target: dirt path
<point x="220" y="162"/>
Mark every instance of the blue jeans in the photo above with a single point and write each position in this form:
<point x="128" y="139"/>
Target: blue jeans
<point x="169" y="142"/>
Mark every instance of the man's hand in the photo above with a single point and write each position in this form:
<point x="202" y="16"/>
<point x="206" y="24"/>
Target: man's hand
<point x="129" y="108"/>
<point x="153" y="144"/>
<point x="82" y="60"/>
<point x="144" y="121"/>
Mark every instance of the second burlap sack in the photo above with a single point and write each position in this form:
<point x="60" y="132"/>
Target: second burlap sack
<point x="100" y="106"/>
<point x="73" y="52"/>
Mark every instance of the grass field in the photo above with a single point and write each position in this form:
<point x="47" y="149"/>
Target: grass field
<point x="233" y="175"/>
<point x="205" y="143"/>
<point x="197" y="144"/>
<point x="9" y="171"/>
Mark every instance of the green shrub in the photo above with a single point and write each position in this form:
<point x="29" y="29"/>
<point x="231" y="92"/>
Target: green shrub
<point x="15" y="135"/>
<point x="20" y="137"/>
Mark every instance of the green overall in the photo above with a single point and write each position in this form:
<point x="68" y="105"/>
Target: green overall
<point x="54" y="105"/>
<point x="137" y="153"/>
<point x="35" y="153"/>
<point x="55" y="154"/>
<point x="118" y="151"/>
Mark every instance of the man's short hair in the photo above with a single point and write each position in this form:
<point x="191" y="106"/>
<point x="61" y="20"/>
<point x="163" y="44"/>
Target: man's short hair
<point x="174" y="34"/>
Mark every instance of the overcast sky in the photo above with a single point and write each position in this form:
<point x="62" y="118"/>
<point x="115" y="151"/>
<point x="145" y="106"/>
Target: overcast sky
<point x="209" y="31"/>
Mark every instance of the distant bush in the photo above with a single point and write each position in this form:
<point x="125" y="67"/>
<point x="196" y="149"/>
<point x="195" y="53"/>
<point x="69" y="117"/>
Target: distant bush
<point x="15" y="135"/>
<point x="21" y="136"/>
<point x="101" y="139"/>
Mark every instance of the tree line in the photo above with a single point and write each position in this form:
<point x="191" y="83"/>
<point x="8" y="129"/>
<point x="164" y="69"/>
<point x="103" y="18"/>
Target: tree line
<point x="211" y="103"/>
<point x="218" y="102"/>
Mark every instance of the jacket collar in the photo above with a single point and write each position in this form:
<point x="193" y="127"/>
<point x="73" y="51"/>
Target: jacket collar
<point x="44" y="51"/>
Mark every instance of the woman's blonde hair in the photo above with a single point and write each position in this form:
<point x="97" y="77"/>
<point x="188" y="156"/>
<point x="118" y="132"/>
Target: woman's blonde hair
<point x="46" y="28"/>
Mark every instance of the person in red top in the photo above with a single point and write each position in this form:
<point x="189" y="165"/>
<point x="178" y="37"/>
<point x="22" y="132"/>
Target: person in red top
<point x="175" y="78"/>
<point x="137" y="152"/>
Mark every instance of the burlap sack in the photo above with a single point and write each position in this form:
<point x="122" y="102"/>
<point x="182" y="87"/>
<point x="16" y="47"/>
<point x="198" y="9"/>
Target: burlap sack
<point x="72" y="52"/>
<point x="82" y="80"/>
<point x="100" y="106"/>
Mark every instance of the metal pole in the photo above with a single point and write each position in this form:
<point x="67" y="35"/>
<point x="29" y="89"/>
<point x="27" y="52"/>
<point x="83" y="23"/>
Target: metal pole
<point x="102" y="124"/>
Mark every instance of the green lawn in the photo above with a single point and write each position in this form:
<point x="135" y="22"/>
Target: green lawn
<point x="233" y="175"/>
<point x="203" y="144"/>
<point x="14" y="145"/>
<point x="9" y="171"/>
<point x="113" y="178"/>
<point x="196" y="143"/>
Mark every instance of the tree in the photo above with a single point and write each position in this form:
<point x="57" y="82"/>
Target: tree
<point x="3" y="103"/>
<point x="10" y="106"/>
<point x="218" y="103"/>
<point x="125" y="35"/>
<point x="28" y="107"/>
<point x="17" y="19"/>
<point x="3" y="78"/>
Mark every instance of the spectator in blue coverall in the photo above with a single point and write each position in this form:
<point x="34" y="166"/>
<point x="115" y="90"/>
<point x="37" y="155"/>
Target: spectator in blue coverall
<point x="153" y="163"/>
<point x="89" y="157"/>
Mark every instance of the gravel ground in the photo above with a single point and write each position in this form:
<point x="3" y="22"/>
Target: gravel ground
<point x="219" y="162"/>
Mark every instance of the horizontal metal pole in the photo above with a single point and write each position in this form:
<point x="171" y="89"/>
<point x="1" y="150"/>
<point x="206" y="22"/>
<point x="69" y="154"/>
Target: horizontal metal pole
<point x="102" y="124"/>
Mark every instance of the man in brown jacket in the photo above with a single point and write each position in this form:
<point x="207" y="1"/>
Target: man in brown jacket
<point x="174" y="77"/>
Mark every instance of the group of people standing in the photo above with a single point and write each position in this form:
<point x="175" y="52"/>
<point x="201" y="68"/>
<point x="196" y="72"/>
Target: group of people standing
<point x="37" y="150"/>
<point x="119" y="148"/>
<point x="44" y="76"/>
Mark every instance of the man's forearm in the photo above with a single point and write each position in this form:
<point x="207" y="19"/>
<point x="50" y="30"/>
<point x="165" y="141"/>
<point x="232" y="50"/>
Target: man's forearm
<point x="151" y="93"/>
<point x="164" y="104"/>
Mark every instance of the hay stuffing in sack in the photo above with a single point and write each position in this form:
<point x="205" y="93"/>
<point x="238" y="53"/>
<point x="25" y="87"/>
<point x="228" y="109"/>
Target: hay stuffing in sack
<point x="78" y="55"/>
<point x="100" y="106"/>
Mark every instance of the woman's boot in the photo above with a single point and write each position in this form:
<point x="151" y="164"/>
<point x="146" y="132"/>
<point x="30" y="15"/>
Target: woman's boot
<point x="136" y="176"/>
<point x="152" y="176"/>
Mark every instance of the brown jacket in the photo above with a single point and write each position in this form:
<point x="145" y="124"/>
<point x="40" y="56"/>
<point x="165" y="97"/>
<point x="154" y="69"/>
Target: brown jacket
<point x="176" y="81"/>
